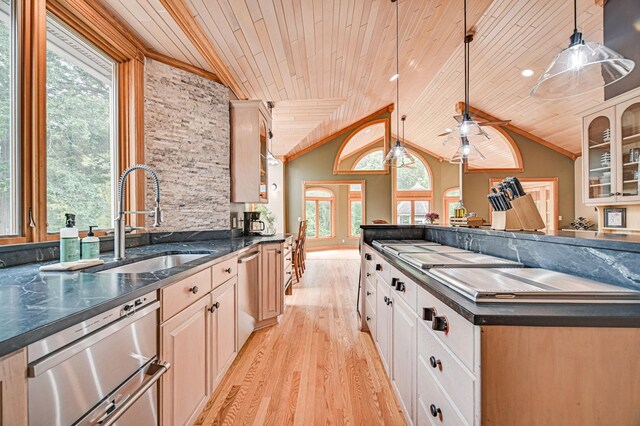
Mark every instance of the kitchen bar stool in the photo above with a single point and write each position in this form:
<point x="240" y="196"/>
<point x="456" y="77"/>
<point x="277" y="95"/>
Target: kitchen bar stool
<point x="295" y="257"/>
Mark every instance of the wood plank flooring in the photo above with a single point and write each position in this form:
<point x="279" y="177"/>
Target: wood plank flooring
<point x="313" y="368"/>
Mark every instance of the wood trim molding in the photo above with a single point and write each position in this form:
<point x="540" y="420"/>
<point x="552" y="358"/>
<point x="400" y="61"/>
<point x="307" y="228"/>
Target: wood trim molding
<point x="415" y="146"/>
<point x="185" y="20"/>
<point x="511" y="127"/>
<point x="389" y="108"/>
<point x="156" y="56"/>
<point x="385" y="147"/>
<point x="515" y="152"/>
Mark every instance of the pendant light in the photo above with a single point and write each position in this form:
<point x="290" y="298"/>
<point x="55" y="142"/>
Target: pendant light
<point x="398" y="156"/>
<point x="467" y="128"/>
<point x="271" y="159"/>
<point x="581" y="67"/>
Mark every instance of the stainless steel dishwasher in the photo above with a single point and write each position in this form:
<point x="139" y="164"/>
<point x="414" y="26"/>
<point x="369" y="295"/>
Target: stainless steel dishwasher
<point x="248" y="283"/>
<point x="103" y="371"/>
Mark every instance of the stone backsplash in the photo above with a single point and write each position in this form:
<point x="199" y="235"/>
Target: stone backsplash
<point x="187" y="144"/>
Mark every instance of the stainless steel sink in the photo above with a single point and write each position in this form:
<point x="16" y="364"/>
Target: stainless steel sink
<point x="154" y="264"/>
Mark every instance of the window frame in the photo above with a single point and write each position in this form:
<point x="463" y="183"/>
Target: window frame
<point x="332" y="208"/>
<point x="446" y="199"/>
<point x="353" y="196"/>
<point x="357" y="127"/>
<point x="412" y="196"/>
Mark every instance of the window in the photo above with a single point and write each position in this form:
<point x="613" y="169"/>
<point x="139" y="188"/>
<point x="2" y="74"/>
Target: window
<point x="355" y="209"/>
<point x="412" y="192"/>
<point x="9" y="155"/>
<point x="450" y="200"/>
<point x="81" y="118"/>
<point x="319" y="212"/>
<point x="371" y="161"/>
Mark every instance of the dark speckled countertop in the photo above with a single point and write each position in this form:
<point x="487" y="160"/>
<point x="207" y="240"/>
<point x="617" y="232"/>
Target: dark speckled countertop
<point x="38" y="304"/>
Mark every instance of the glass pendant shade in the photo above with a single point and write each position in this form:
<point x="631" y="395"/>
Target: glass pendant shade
<point x="580" y="68"/>
<point x="466" y="152"/>
<point x="399" y="156"/>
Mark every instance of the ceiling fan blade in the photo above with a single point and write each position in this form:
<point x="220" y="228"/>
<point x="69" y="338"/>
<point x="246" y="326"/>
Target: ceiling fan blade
<point x="458" y="118"/>
<point x="444" y="134"/>
<point x="494" y="123"/>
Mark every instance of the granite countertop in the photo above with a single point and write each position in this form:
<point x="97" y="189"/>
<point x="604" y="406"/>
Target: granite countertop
<point x="38" y="304"/>
<point x="522" y="314"/>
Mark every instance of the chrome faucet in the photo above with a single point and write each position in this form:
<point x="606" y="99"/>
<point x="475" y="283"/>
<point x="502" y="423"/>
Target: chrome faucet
<point x="119" y="221"/>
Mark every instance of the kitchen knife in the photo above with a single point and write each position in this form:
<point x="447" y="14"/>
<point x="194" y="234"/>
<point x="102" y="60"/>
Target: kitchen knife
<point x="492" y="201"/>
<point x="505" y="201"/>
<point x="519" y="187"/>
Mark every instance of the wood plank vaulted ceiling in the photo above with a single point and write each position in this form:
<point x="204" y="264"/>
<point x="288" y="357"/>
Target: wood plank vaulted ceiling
<point x="327" y="63"/>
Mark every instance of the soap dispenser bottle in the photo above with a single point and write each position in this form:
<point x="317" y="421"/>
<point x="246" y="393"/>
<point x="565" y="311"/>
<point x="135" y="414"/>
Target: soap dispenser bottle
<point x="69" y="241"/>
<point x="90" y="246"/>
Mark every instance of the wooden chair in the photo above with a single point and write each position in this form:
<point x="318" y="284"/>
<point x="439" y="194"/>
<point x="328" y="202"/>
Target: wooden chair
<point x="295" y="256"/>
<point x="302" y="252"/>
<point x="379" y="222"/>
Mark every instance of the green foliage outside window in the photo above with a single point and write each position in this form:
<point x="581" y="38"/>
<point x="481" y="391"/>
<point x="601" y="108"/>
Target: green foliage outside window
<point x="356" y="217"/>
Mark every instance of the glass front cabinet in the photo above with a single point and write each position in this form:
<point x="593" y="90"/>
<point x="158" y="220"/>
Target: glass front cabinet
<point x="611" y="155"/>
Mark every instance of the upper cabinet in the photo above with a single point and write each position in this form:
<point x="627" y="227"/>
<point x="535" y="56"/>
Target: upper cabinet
<point x="250" y="127"/>
<point x="611" y="154"/>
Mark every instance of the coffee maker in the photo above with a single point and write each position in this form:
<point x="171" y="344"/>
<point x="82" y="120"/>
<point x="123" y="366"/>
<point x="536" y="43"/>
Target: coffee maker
<point x="252" y="224"/>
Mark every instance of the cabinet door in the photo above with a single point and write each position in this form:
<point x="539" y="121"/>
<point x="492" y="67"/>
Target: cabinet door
<point x="224" y="326"/>
<point x="599" y="158"/>
<point x="13" y="389"/>
<point x="628" y="153"/>
<point x="185" y="345"/>
<point x="264" y="180"/>
<point x="403" y="338"/>
<point x="271" y="284"/>
<point x="383" y="323"/>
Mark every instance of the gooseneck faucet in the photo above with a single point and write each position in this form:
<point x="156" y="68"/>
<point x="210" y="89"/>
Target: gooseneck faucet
<point x="119" y="221"/>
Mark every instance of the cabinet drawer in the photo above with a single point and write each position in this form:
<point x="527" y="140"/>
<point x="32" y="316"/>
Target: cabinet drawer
<point x="180" y="295"/>
<point x="370" y="295"/>
<point x="382" y="269"/>
<point x="431" y="396"/>
<point x="410" y="291"/>
<point x="224" y="270"/>
<point x="454" y="378"/>
<point x="461" y="335"/>
<point x="371" y="317"/>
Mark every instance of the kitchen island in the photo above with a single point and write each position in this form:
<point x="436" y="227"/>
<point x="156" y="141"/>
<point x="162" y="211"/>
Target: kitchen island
<point x="455" y="361"/>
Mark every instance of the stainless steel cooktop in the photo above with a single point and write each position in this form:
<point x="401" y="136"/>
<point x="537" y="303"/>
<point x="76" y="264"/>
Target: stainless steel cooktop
<point x="466" y="259"/>
<point x="530" y="285"/>
<point x="381" y="244"/>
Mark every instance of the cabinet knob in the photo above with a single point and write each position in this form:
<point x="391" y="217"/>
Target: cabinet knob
<point x="440" y="323"/>
<point x="368" y="318"/>
<point x="435" y="411"/>
<point x="400" y="286"/>
<point x="378" y="267"/>
<point x="389" y="302"/>
<point x="386" y="300"/>
<point x="194" y="289"/>
<point x="213" y="307"/>
<point x="228" y="270"/>
<point x="278" y="251"/>
<point x="368" y="274"/>
<point x="428" y="314"/>
<point x="368" y="293"/>
<point x="435" y="362"/>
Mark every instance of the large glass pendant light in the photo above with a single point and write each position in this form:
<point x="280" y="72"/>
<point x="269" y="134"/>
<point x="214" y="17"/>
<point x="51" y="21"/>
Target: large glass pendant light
<point x="467" y="129"/>
<point x="398" y="155"/>
<point x="581" y="67"/>
<point x="271" y="159"/>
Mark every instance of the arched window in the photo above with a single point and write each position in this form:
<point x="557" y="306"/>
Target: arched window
<point x="370" y="161"/>
<point x="412" y="192"/>
<point x="319" y="212"/>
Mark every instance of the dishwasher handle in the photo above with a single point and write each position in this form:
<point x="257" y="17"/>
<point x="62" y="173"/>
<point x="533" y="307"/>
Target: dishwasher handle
<point x="248" y="258"/>
<point x="155" y="371"/>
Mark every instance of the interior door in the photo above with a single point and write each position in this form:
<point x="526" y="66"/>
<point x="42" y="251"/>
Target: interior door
<point x="224" y="325"/>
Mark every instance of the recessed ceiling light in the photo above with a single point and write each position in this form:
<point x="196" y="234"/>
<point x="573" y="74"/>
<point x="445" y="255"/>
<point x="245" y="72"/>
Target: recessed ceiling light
<point x="394" y="77"/>
<point x="448" y="130"/>
<point x="527" y="73"/>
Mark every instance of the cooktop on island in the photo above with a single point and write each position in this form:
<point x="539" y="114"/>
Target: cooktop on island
<point x="466" y="259"/>
<point x="530" y="285"/>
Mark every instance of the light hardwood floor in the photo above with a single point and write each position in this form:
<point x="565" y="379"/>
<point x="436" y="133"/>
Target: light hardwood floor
<point x="313" y="368"/>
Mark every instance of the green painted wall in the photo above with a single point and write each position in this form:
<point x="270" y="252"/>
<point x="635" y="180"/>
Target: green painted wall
<point x="539" y="162"/>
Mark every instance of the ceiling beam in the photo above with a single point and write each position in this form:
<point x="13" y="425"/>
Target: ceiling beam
<point x="176" y="63"/>
<point x="488" y="117"/>
<point x="389" y="108"/>
<point x="191" y="28"/>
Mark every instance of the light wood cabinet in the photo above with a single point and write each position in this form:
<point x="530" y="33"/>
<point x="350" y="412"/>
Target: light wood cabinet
<point x="13" y="389"/>
<point x="224" y="321"/>
<point x="611" y="154"/>
<point x="271" y="294"/>
<point x="250" y="127"/>
<point x="185" y="343"/>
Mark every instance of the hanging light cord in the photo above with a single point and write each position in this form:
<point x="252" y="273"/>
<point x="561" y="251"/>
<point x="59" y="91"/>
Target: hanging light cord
<point x="398" y="67"/>
<point x="575" y="16"/>
<point x="466" y="65"/>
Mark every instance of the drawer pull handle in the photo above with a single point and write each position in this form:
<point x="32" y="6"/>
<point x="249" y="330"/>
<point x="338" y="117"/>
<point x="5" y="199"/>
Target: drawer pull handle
<point x="400" y="287"/>
<point x="378" y="267"/>
<point x="435" y="363"/>
<point x="367" y="256"/>
<point x="389" y="302"/>
<point x="440" y="323"/>
<point x="213" y="307"/>
<point x="194" y="289"/>
<point x="368" y="274"/>
<point x="428" y="314"/>
<point x="435" y="411"/>
<point x="386" y="300"/>
<point x="228" y="270"/>
<point x="368" y="293"/>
